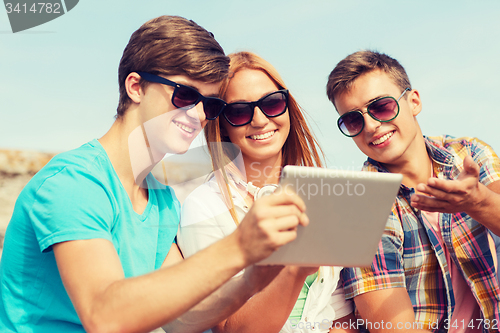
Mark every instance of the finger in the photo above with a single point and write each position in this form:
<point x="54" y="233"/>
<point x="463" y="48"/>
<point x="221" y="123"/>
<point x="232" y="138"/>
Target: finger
<point x="266" y="213"/>
<point x="288" y="197"/>
<point x="304" y="220"/>
<point x="285" y="236"/>
<point x="299" y="219"/>
<point x="284" y="223"/>
<point x="443" y="185"/>
<point x="283" y="197"/>
<point x="288" y="222"/>
<point x="471" y="167"/>
<point x="430" y="204"/>
<point x="436" y="192"/>
<point x="437" y="184"/>
<point x="278" y="211"/>
<point x="434" y="209"/>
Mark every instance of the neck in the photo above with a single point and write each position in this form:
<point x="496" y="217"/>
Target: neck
<point x="128" y="151"/>
<point x="263" y="172"/>
<point x="414" y="165"/>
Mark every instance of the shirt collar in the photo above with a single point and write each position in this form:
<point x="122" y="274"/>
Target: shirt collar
<point x="437" y="152"/>
<point x="212" y="182"/>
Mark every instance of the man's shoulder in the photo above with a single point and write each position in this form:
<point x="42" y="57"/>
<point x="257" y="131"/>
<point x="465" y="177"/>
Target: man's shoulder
<point x="84" y="157"/>
<point x="89" y="158"/>
<point x="457" y="148"/>
<point x="453" y="143"/>
<point x="78" y="166"/>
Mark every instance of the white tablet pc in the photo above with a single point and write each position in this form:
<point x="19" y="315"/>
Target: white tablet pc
<point x="348" y="211"/>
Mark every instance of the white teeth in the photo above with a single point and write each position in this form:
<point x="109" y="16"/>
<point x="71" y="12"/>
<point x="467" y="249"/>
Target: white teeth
<point x="262" y="136"/>
<point x="382" y="139"/>
<point x="184" y="127"/>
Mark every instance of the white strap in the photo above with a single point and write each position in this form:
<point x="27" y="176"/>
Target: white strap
<point x="252" y="189"/>
<point x="255" y="191"/>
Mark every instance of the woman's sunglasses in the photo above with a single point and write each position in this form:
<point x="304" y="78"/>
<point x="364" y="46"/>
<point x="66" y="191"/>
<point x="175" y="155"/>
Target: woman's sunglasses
<point x="383" y="109"/>
<point x="272" y="105"/>
<point x="185" y="97"/>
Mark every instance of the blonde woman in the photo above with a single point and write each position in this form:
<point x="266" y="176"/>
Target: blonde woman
<point x="265" y="123"/>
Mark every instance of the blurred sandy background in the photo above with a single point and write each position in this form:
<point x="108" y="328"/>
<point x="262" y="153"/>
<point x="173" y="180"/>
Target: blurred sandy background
<point x="16" y="169"/>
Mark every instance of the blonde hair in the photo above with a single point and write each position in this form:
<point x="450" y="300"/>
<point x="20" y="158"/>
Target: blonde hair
<point x="300" y="148"/>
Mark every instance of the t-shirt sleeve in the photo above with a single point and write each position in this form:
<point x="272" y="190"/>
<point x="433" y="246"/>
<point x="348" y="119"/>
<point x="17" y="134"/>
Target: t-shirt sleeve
<point x="71" y="205"/>
<point x="204" y="221"/>
<point x="387" y="269"/>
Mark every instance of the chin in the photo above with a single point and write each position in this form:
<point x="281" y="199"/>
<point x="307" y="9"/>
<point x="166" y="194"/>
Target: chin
<point x="178" y="150"/>
<point x="180" y="147"/>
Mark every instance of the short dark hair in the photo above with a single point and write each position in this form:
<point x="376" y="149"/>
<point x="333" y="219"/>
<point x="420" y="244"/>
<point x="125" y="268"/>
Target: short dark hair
<point x="171" y="45"/>
<point x="356" y="64"/>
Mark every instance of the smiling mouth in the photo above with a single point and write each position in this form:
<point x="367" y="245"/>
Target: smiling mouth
<point x="184" y="127"/>
<point x="262" y="136"/>
<point x="382" y="139"/>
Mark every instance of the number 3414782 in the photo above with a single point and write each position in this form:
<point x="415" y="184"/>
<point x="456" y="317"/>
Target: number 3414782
<point x="36" y="8"/>
<point x="472" y="324"/>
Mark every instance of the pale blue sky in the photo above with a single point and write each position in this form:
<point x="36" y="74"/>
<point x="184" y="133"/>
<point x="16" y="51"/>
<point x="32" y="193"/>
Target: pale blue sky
<point x="58" y="86"/>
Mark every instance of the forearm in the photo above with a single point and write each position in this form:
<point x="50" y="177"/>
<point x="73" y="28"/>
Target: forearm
<point x="216" y="307"/>
<point x="390" y="306"/>
<point x="345" y="324"/>
<point x="165" y="294"/>
<point x="105" y="301"/>
<point x="268" y="310"/>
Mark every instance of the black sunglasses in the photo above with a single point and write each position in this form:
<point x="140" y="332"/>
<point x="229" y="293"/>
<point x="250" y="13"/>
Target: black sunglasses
<point x="383" y="109"/>
<point x="185" y="97"/>
<point x="272" y="105"/>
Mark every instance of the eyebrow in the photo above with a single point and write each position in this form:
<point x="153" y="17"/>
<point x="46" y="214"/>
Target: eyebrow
<point x="370" y="101"/>
<point x="195" y="88"/>
<point x="184" y="83"/>
<point x="244" y="101"/>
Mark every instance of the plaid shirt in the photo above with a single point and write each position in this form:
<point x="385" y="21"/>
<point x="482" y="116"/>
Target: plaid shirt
<point x="410" y="255"/>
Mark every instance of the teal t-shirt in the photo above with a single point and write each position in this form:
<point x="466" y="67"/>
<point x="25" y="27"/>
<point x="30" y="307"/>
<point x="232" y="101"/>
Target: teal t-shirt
<point x="76" y="196"/>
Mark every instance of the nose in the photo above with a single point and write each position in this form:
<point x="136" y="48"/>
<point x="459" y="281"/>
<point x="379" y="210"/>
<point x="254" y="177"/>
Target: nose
<point x="371" y="125"/>
<point x="197" y="113"/>
<point x="259" y="118"/>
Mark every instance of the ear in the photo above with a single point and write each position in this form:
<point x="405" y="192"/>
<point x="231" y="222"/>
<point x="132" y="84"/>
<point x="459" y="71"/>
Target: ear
<point x="134" y="89"/>
<point x="415" y="102"/>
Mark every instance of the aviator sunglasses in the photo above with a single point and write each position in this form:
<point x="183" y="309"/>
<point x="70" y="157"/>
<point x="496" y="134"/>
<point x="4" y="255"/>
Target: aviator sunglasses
<point x="185" y="97"/>
<point x="383" y="109"/>
<point x="272" y="105"/>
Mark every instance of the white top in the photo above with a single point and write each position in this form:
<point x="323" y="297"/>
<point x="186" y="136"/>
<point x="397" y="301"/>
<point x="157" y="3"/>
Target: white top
<point x="205" y="219"/>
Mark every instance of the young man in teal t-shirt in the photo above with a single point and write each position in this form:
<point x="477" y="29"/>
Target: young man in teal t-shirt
<point x="90" y="246"/>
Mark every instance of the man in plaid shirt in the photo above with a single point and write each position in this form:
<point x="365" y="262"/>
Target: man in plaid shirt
<point x="435" y="269"/>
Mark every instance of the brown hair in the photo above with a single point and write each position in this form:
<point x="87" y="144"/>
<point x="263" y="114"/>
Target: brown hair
<point x="300" y="148"/>
<point x="171" y="45"/>
<point x="354" y="65"/>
